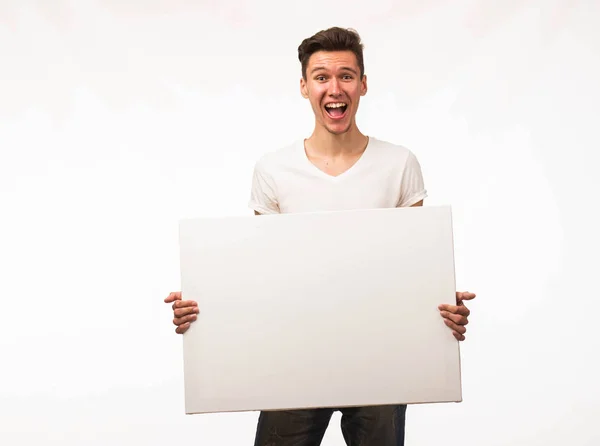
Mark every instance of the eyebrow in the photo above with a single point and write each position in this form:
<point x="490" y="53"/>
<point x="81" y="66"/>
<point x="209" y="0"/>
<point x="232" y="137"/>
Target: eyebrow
<point x="321" y="67"/>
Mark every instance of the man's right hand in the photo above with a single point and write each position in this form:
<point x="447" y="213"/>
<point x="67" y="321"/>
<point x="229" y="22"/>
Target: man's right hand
<point x="184" y="311"/>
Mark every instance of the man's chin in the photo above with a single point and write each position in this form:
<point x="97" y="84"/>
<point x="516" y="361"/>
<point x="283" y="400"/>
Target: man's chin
<point x="338" y="129"/>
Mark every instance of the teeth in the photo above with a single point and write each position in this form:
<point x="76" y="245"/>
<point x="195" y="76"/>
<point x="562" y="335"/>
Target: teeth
<point x="336" y="105"/>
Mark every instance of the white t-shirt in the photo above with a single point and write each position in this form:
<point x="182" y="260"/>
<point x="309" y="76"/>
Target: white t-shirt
<point x="386" y="175"/>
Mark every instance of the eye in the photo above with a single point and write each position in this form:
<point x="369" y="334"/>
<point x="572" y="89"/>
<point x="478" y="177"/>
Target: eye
<point x="320" y="78"/>
<point x="347" y="77"/>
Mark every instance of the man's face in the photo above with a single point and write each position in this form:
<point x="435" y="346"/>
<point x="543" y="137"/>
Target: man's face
<point x="333" y="86"/>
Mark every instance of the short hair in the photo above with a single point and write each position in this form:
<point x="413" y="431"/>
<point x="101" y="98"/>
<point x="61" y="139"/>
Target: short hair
<point x="332" y="39"/>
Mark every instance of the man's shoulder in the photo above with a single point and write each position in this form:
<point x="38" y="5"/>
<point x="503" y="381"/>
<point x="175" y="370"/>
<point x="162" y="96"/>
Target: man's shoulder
<point x="279" y="157"/>
<point x="388" y="147"/>
<point x="391" y="150"/>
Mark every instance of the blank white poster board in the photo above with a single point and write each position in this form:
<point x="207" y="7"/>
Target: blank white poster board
<point x="325" y="309"/>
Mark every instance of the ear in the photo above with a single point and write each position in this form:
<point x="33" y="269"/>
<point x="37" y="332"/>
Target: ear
<point x="303" y="89"/>
<point x="363" y="85"/>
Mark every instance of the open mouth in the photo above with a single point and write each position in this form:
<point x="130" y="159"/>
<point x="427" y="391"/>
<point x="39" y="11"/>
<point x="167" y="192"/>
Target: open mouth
<point x="336" y="110"/>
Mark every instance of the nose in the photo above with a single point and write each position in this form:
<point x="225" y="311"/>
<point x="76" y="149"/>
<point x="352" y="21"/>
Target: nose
<point x="334" y="87"/>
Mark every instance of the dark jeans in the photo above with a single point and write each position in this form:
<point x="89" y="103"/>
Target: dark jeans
<point x="361" y="426"/>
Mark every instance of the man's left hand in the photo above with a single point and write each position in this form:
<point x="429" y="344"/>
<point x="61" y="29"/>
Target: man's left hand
<point x="457" y="316"/>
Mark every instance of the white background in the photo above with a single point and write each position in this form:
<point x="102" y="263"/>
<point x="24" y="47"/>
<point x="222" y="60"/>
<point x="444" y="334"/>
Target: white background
<point x="119" y="118"/>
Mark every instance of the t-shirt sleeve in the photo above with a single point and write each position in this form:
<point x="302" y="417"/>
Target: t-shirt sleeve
<point x="263" y="196"/>
<point x="412" y="188"/>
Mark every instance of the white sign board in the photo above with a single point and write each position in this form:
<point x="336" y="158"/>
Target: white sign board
<point x="326" y="309"/>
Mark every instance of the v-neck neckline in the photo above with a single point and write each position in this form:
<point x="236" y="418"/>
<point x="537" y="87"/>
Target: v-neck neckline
<point x="342" y="175"/>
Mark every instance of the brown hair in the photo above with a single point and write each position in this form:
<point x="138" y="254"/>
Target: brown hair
<point x="332" y="39"/>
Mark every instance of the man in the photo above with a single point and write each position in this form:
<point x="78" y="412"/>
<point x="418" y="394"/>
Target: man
<point x="336" y="168"/>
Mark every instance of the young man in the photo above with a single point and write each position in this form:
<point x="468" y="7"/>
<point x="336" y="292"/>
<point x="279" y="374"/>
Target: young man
<point x="336" y="168"/>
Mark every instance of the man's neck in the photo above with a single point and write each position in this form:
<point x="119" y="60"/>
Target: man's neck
<point x="325" y="144"/>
